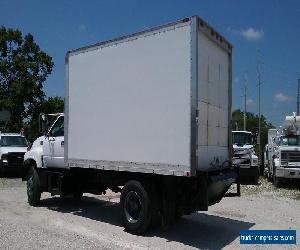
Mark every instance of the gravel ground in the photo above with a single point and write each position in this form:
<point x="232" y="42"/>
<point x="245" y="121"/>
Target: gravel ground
<point x="94" y="223"/>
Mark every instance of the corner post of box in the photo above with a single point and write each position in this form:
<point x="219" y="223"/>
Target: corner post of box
<point x="194" y="95"/>
<point x="230" y="102"/>
<point x="66" y="107"/>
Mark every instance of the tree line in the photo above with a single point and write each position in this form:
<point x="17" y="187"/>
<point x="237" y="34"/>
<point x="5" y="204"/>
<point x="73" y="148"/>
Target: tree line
<point x="24" y="67"/>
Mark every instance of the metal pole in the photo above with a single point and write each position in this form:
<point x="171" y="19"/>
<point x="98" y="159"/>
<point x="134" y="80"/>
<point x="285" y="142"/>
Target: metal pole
<point x="245" y="103"/>
<point x="298" y="98"/>
<point x="259" y="108"/>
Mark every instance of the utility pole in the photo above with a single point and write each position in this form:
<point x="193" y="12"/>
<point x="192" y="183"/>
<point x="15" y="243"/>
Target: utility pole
<point x="245" y="102"/>
<point x="298" y="98"/>
<point x="259" y="105"/>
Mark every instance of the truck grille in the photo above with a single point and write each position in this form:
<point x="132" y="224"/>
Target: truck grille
<point x="15" y="159"/>
<point x="290" y="156"/>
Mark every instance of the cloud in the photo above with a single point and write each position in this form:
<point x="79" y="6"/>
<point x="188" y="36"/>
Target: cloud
<point x="280" y="97"/>
<point x="249" y="34"/>
<point x="250" y="102"/>
<point x="252" y="35"/>
<point x="82" y="28"/>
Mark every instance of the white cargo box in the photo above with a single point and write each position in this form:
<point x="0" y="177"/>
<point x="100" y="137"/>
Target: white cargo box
<point x="158" y="101"/>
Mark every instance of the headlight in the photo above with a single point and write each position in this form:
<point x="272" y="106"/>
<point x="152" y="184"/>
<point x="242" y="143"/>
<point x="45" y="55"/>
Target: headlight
<point x="4" y="158"/>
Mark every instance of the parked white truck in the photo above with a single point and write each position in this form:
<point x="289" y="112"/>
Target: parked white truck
<point x="149" y="112"/>
<point x="12" y="149"/>
<point x="243" y="149"/>
<point x="283" y="151"/>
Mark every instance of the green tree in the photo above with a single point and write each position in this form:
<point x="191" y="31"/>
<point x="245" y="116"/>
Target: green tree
<point x="252" y="124"/>
<point x="23" y="70"/>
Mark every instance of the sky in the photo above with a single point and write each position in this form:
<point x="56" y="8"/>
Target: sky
<point x="265" y="35"/>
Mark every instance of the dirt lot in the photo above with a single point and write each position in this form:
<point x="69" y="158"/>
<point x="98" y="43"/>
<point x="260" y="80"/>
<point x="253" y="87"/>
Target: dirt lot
<point x="94" y="223"/>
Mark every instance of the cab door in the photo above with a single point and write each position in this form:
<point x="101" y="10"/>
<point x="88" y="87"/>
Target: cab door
<point x="54" y="145"/>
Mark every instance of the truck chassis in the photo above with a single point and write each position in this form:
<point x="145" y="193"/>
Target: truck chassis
<point x="145" y="199"/>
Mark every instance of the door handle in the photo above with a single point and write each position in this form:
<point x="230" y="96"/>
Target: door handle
<point x="52" y="139"/>
<point x="62" y="143"/>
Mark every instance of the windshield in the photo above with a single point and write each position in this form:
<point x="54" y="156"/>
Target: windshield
<point x="290" y="140"/>
<point x="241" y="138"/>
<point x="13" y="141"/>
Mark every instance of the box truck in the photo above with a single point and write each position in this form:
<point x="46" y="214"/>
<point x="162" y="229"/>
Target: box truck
<point x="148" y="114"/>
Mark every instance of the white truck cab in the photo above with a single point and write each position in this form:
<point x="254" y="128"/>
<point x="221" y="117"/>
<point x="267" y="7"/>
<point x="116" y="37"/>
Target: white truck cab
<point x="243" y="148"/>
<point x="12" y="149"/>
<point x="47" y="151"/>
<point x="283" y="151"/>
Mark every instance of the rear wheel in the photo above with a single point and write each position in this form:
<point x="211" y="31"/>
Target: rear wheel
<point x="137" y="209"/>
<point x="33" y="187"/>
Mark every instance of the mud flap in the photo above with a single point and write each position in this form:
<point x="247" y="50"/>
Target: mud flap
<point x="214" y="185"/>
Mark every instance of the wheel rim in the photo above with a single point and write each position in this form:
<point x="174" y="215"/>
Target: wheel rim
<point x="133" y="207"/>
<point x="30" y="186"/>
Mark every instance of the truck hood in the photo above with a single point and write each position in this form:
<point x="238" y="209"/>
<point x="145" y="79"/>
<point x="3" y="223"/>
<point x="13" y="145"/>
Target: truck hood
<point x="5" y="150"/>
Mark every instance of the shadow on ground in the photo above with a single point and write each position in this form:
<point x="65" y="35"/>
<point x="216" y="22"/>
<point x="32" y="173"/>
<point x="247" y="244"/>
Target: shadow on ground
<point x="197" y="230"/>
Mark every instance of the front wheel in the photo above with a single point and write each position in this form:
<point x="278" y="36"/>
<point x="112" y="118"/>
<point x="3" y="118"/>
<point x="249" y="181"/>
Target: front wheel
<point x="269" y="175"/>
<point x="276" y="180"/>
<point x="137" y="209"/>
<point x="33" y="187"/>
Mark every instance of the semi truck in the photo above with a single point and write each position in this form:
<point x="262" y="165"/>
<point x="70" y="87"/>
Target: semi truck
<point x="147" y="115"/>
<point x="244" y="151"/>
<point x="282" y="153"/>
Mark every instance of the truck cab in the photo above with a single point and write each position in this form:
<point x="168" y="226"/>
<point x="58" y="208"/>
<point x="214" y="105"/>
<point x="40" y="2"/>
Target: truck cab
<point x="47" y="151"/>
<point x="286" y="159"/>
<point x="12" y="149"/>
<point x="243" y="150"/>
<point x="283" y="151"/>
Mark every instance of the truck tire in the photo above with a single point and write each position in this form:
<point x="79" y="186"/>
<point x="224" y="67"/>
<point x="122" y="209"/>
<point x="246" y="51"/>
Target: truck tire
<point x="276" y="180"/>
<point x="270" y="176"/>
<point x="33" y="187"/>
<point x="256" y="179"/>
<point x="137" y="209"/>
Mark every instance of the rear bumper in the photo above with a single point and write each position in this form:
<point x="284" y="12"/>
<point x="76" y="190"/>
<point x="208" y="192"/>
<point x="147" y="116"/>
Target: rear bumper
<point x="214" y="185"/>
<point x="249" y="171"/>
<point x="11" y="169"/>
<point x="218" y="184"/>
<point x="7" y="165"/>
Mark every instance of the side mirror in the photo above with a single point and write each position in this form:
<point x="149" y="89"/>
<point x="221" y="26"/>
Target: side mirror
<point x="43" y="124"/>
